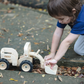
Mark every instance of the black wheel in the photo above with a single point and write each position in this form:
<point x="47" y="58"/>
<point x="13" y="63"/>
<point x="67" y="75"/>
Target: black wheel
<point x="4" y="64"/>
<point x="26" y="66"/>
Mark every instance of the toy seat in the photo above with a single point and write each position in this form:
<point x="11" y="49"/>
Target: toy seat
<point x="9" y="52"/>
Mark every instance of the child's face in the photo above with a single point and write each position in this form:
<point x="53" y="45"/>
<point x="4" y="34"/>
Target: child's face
<point x="64" y="19"/>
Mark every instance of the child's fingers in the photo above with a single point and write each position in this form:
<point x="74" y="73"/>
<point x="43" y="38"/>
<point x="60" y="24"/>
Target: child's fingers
<point x="52" y="65"/>
<point x="46" y="63"/>
<point x="46" y="58"/>
<point x="51" y="62"/>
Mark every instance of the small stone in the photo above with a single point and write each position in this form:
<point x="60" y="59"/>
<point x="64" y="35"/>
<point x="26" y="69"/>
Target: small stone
<point x="43" y="75"/>
<point x="1" y="76"/>
<point x="55" y="79"/>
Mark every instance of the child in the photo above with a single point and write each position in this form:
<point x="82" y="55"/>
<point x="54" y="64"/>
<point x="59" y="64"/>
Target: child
<point x="69" y="12"/>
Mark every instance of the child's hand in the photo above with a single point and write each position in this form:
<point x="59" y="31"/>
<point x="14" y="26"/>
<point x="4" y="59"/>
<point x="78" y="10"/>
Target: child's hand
<point x="51" y="62"/>
<point x="50" y="56"/>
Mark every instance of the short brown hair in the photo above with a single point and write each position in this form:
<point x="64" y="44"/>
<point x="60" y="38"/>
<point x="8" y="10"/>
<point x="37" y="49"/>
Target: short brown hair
<point x="63" y="7"/>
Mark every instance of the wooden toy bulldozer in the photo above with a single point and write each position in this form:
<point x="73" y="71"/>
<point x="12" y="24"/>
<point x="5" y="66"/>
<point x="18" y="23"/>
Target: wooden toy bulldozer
<point x="10" y="55"/>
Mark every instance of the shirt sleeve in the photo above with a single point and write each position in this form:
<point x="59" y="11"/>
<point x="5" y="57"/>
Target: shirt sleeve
<point x="60" y="25"/>
<point x="78" y="28"/>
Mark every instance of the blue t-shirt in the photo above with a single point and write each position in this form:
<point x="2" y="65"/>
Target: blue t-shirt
<point x="78" y="27"/>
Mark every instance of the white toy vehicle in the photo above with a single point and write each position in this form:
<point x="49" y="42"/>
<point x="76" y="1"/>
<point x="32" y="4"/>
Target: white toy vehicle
<point x="10" y="55"/>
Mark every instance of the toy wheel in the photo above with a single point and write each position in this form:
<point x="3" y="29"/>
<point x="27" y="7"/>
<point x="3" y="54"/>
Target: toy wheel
<point x="26" y="66"/>
<point x="4" y="64"/>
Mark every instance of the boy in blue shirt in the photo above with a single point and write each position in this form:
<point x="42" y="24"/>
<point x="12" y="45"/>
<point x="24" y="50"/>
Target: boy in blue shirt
<point x="69" y="12"/>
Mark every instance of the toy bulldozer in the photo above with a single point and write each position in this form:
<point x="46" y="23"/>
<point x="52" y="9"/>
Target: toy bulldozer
<point x="25" y="62"/>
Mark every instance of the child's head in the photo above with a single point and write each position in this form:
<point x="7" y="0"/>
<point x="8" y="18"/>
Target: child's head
<point x="69" y="8"/>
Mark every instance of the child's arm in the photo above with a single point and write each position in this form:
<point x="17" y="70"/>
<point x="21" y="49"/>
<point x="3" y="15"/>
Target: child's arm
<point x="63" y="48"/>
<point x="56" y="39"/>
<point x="55" y="42"/>
<point x="64" y="45"/>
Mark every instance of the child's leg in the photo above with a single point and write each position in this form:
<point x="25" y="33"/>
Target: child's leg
<point x="79" y="45"/>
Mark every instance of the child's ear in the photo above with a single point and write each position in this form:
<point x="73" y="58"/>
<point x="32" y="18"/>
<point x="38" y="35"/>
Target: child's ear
<point x="74" y="10"/>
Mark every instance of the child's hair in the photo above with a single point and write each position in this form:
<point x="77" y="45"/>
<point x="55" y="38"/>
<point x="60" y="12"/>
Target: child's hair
<point x="63" y="7"/>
